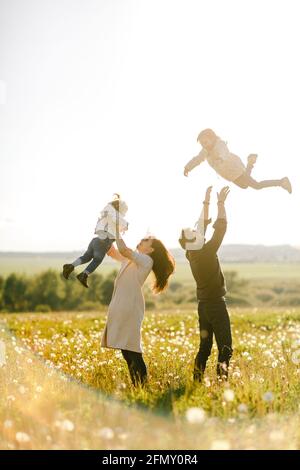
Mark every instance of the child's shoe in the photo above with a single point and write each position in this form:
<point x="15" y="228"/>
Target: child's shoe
<point x="82" y="278"/>
<point x="67" y="270"/>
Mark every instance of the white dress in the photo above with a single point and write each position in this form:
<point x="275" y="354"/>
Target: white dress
<point x="226" y="164"/>
<point x="127" y="307"/>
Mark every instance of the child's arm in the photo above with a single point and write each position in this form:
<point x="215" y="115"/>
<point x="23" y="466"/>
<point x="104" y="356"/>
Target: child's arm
<point x="194" y="162"/>
<point x="115" y="254"/>
<point x="220" y="225"/>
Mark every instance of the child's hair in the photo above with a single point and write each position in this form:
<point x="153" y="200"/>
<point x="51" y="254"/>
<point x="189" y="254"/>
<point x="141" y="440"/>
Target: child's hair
<point x="116" y="202"/>
<point x="206" y="132"/>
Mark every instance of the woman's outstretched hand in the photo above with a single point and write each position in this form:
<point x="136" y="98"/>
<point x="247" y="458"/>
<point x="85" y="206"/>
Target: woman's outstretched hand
<point x="207" y="195"/>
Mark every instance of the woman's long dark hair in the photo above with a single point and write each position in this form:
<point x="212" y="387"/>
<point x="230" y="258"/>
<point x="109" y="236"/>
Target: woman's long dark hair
<point x="163" y="265"/>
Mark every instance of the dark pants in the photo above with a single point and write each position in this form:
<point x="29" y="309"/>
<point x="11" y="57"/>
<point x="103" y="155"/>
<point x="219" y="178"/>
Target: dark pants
<point x="213" y="320"/>
<point x="96" y="251"/>
<point x="137" y="367"/>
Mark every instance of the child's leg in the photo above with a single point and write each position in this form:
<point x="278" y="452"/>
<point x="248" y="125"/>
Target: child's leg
<point x="246" y="181"/>
<point x="249" y="168"/>
<point x="252" y="183"/>
<point x="100" y="248"/>
<point x="86" y="257"/>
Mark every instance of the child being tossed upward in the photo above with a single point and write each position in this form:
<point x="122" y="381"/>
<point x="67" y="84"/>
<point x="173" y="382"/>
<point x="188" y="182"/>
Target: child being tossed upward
<point x="228" y="165"/>
<point x="101" y="244"/>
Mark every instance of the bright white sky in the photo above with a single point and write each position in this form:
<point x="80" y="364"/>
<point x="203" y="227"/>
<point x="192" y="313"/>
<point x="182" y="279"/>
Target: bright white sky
<point x="101" y="96"/>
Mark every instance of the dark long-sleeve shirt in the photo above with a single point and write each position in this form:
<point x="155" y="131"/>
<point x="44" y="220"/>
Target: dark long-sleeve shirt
<point x="206" y="267"/>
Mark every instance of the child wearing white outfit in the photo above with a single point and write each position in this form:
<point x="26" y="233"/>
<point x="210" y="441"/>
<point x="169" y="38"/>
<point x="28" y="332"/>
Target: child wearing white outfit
<point x="230" y="166"/>
<point x="101" y="244"/>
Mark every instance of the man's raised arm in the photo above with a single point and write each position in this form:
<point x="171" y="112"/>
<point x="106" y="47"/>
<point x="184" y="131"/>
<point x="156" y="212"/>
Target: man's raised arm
<point x="220" y="225"/>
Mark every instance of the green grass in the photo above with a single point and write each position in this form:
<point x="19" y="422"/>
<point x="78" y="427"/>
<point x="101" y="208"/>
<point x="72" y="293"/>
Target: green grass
<point x="264" y="360"/>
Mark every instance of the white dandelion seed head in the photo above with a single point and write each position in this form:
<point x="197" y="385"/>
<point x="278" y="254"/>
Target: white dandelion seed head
<point x="228" y="395"/>
<point x="8" y="423"/>
<point x="22" y="437"/>
<point x="296" y="357"/>
<point x="2" y="354"/>
<point x="268" y="397"/>
<point x="243" y="408"/>
<point x="220" y="444"/>
<point x="65" y="425"/>
<point x="276" y="435"/>
<point x="106" y="433"/>
<point x="195" y="415"/>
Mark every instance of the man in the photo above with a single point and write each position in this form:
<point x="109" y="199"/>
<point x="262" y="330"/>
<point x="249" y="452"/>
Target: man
<point x="211" y="289"/>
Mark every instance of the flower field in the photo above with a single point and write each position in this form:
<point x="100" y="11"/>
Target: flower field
<point x="54" y="376"/>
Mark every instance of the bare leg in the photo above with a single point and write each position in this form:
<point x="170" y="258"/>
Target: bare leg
<point x="246" y="181"/>
<point x="252" y="183"/>
<point x="251" y="162"/>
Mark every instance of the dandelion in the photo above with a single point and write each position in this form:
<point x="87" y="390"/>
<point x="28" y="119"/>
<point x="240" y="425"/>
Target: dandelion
<point x="106" y="433"/>
<point x="2" y="354"/>
<point x="8" y="423"/>
<point x="22" y="437"/>
<point x="220" y="444"/>
<point x="242" y="408"/>
<point x="65" y="425"/>
<point x="22" y="390"/>
<point x="268" y="397"/>
<point x="228" y="395"/>
<point x="195" y="415"/>
<point x="296" y="344"/>
<point x="296" y="357"/>
<point x="276" y="435"/>
<point x="207" y="382"/>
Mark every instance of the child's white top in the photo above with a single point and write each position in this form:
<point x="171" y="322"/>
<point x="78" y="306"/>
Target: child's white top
<point x="225" y="163"/>
<point x="108" y="218"/>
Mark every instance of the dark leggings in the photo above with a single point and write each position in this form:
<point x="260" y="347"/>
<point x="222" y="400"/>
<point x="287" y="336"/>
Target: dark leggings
<point x="213" y="319"/>
<point x="136" y="365"/>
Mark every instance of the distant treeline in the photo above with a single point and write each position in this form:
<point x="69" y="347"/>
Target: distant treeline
<point x="48" y="291"/>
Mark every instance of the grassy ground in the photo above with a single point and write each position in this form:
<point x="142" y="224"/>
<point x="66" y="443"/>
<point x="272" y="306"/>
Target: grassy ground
<point x="264" y="371"/>
<point x="44" y="403"/>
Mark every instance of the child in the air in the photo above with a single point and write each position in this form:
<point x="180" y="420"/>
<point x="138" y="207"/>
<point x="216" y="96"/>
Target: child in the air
<point x="228" y="165"/>
<point x="105" y="236"/>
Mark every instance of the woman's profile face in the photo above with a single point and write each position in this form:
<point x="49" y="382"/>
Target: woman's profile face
<point x="145" y="246"/>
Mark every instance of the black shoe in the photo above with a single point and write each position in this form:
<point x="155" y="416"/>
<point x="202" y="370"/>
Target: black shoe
<point x="82" y="277"/>
<point x="67" y="270"/>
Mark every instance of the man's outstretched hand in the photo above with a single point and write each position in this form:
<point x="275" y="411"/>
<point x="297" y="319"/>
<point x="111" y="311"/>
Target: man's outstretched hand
<point x="222" y="195"/>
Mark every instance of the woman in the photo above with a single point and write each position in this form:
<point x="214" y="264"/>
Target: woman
<point x="127" y="306"/>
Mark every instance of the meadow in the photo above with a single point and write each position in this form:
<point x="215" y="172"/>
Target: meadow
<point x="263" y="389"/>
<point x="59" y="389"/>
